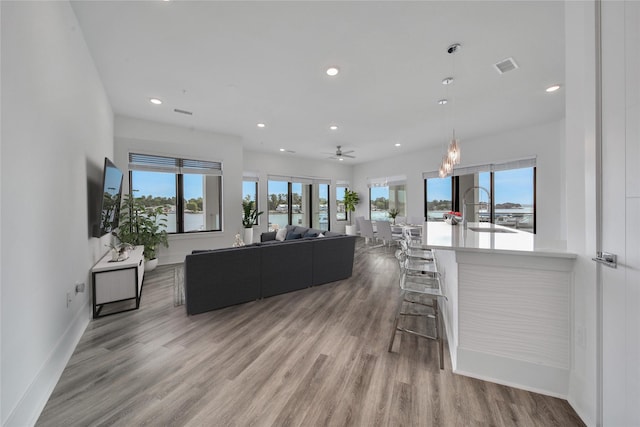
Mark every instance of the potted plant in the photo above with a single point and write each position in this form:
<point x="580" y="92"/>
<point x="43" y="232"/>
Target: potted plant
<point x="140" y="225"/>
<point x="249" y="217"/>
<point x="350" y="200"/>
<point x="393" y="213"/>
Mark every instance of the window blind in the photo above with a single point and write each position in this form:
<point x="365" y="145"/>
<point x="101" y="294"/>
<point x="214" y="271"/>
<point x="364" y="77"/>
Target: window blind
<point x="468" y="170"/>
<point x="387" y="181"/>
<point x="299" y="179"/>
<point x="149" y="162"/>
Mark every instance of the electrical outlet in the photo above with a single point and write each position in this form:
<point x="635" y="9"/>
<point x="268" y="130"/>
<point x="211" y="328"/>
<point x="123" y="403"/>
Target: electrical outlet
<point x="79" y="287"/>
<point x="69" y="299"/>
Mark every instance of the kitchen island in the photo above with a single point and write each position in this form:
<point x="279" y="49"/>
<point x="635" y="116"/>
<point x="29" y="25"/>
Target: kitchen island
<point x="508" y="309"/>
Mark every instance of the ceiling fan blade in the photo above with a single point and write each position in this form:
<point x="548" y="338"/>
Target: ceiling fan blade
<point x="347" y="155"/>
<point x="347" y="152"/>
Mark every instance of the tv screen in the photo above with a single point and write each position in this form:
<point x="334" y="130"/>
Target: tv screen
<point x="111" y="195"/>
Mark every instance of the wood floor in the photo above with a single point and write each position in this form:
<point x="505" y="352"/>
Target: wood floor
<point x="316" y="357"/>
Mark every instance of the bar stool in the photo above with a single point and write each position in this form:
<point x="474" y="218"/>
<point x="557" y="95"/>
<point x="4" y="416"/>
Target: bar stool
<point x="419" y="277"/>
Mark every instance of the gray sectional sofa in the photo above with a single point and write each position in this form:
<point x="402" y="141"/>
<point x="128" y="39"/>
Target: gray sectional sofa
<point x="223" y="277"/>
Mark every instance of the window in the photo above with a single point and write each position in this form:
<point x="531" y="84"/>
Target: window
<point x="384" y="197"/>
<point x="509" y="186"/>
<point x="298" y="201"/>
<point x="250" y="192"/>
<point x="278" y="203"/>
<point x="341" y="214"/>
<point x="438" y="197"/>
<point x="513" y="197"/>
<point x="188" y="191"/>
<point x="320" y="206"/>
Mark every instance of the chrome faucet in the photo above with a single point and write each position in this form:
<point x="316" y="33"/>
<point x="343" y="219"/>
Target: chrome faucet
<point x="464" y="203"/>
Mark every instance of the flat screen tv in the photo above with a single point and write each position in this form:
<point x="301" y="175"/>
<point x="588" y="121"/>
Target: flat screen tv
<point x="111" y="195"/>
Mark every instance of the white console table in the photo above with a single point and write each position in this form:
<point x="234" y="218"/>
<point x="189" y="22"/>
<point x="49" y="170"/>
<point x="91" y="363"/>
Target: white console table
<point x="118" y="285"/>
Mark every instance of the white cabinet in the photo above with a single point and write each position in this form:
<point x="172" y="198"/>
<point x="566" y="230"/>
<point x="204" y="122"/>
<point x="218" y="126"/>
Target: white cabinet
<point x="117" y="286"/>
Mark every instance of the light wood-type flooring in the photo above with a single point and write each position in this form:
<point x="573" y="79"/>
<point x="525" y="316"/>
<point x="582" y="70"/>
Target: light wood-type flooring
<point x="316" y="357"/>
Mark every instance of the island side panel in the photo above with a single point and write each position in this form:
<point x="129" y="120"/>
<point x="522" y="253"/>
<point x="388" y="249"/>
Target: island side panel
<point x="514" y="320"/>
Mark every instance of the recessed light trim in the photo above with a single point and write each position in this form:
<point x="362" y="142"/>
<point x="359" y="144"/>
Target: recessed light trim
<point x="447" y="80"/>
<point x="282" y="149"/>
<point x="442" y="101"/>
<point x="155" y="101"/>
<point x="261" y="125"/>
<point x="397" y="144"/>
<point x="333" y="127"/>
<point x="552" y="88"/>
<point x="332" y="71"/>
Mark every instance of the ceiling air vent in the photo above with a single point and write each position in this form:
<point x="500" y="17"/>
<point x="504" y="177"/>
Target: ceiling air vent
<point x="506" y="65"/>
<point x="188" y="113"/>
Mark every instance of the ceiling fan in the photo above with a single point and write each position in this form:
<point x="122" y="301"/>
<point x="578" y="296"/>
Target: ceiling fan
<point x="341" y="155"/>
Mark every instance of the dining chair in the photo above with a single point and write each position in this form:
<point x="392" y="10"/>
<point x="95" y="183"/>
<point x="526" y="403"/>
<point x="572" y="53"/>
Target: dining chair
<point x="385" y="234"/>
<point x="366" y="230"/>
<point x="358" y="219"/>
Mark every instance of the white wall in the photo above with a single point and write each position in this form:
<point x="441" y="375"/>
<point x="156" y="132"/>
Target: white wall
<point x="264" y="164"/>
<point x="57" y="127"/>
<point x="545" y="141"/>
<point x="143" y="136"/>
<point x="581" y="205"/>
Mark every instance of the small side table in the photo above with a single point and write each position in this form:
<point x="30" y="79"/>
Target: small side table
<point x="118" y="285"/>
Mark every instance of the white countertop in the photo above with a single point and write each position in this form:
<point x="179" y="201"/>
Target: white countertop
<point x="440" y="235"/>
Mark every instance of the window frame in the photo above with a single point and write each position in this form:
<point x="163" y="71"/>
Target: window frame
<point x="256" y="200"/>
<point x="178" y="166"/>
<point x="491" y="169"/>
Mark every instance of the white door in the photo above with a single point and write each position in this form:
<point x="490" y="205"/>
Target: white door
<point x="620" y="287"/>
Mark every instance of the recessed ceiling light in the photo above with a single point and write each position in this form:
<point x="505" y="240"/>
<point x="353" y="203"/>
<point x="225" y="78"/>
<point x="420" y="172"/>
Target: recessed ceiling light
<point x="282" y="149"/>
<point x="333" y="127"/>
<point x="332" y="71"/>
<point x="447" y="80"/>
<point x="442" y="101"/>
<point x="261" y="125"/>
<point x="553" y="88"/>
<point x="155" y="101"/>
<point x="397" y="144"/>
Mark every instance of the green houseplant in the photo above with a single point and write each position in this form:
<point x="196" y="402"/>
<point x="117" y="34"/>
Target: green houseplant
<point x="141" y="225"/>
<point x="393" y="213"/>
<point x="249" y="217"/>
<point x="350" y="200"/>
<point x="249" y="213"/>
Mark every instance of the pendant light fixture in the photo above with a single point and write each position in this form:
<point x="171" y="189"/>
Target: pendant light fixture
<point x="452" y="157"/>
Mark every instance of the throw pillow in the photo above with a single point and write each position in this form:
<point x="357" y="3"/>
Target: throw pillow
<point x="281" y="234"/>
<point x="320" y="235"/>
<point x="293" y="236"/>
<point x="309" y="234"/>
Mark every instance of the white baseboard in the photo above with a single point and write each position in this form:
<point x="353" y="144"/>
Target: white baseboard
<point x="584" y="416"/>
<point x="32" y="403"/>
<point x="547" y="380"/>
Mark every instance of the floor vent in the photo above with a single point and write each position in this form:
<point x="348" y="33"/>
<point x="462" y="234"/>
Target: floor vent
<point x="506" y="65"/>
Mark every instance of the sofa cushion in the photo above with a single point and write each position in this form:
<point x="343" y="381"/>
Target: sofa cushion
<point x="310" y="234"/>
<point x="281" y="234"/>
<point x="270" y="235"/>
<point x="301" y="230"/>
<point x="293" y="236"/>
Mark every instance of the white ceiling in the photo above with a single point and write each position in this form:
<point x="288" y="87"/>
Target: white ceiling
<point x="235" y="64"/>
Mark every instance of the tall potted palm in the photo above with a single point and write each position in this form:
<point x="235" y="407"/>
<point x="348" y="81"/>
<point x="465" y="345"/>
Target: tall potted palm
<point x="140" y="225"/>
<point x="249" y="217"/>
<point x="350" y="200"/>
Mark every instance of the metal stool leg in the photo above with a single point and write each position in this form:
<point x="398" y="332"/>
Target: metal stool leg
<point x="438" y="335"/>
